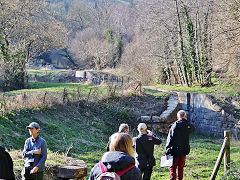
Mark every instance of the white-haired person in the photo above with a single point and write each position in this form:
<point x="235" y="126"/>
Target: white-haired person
<point x="178" y="144"/>
<point x="123" y="128"/>
<point x="144" y="149"/>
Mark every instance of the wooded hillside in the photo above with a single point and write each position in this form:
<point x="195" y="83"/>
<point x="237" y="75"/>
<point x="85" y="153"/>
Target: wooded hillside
<point x="154" y="41"/>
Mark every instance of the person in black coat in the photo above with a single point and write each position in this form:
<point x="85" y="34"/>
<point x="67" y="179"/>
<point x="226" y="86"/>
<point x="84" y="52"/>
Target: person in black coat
<point x="144" y="148"/>
<point x="178" y="144"/>
<point x="6" y="165"/>
<point x="119" y="158"/>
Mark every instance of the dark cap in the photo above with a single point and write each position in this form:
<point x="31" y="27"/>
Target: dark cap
<point x="33" y="125"/>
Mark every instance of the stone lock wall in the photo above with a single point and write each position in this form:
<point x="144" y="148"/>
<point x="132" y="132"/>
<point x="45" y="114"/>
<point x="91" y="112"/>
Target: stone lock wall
<point x="208" y="118"/>
<point x="161" y="123"/>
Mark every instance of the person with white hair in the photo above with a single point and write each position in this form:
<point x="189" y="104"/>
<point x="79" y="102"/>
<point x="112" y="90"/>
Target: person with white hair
<point x="123" y="128"/>
<point x="178" y="144"/>
<point x="144" y="148"/>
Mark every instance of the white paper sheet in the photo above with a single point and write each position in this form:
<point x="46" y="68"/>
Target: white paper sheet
<point x="166" y="162"/>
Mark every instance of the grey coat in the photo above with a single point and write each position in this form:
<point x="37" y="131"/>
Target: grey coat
<point x="114" y="161"/>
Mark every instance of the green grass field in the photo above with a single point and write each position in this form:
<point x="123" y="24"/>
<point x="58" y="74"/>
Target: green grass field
<point x="83" y="130"/>
<point x="230" y="89"/>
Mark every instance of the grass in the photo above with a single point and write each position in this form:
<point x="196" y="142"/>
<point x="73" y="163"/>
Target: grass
<point x="83" y="126"/>
<point x="88" y="134"/>
<point x="47" y="71"/>
<point x="201" y="160"/>
<point x="51" y="87"/>
<point x="86" y="126"/>
<point x="218" y="87"/>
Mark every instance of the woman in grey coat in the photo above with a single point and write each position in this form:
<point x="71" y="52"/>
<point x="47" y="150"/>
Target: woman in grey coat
<point x="119" y="158"/>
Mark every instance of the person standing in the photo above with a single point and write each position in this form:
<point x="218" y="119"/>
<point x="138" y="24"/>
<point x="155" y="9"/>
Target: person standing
<point x="178" y="144"/>
<point x="6" y="165"/>
<point x="35" y="152"/>
<point x="120" y="159"/>
<point x="144" y="148"/>
<point x="123" y="128"/>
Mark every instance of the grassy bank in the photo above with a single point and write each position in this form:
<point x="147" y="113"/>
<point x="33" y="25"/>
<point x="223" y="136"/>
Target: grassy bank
<point x="230" y="88"/>
<point x="77" y="128"/>
<point x="81" y="129"/>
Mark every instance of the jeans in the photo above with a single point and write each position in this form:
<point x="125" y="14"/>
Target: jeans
<point x="178" y="164"/>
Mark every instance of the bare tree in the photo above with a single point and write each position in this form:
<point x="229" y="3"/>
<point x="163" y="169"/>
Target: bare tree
<point x="91" y="51"/>
<point x="27" y="29"/>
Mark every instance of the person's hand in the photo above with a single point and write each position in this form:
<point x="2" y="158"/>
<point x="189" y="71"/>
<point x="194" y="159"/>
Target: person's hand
<point x="37" y="151"/>
<point x="34" y="170"/>
<point x="166" y="157"/>
<point x="149" y="132"/>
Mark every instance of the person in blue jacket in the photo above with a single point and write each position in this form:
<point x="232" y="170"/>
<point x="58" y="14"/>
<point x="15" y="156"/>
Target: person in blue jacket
<point x="35" y="152"/>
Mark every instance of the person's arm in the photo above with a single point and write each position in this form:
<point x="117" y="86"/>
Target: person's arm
<point x="191" y="128"/>
<point x="156" y="140"/>
<point x="94" y="172"/>
<point x="27" y="152"/>
<point x="170" y="140"/>
<point x="43" y="154"/>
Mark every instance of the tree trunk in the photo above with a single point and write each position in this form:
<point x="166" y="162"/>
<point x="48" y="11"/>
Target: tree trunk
<point x="183" y="64"/>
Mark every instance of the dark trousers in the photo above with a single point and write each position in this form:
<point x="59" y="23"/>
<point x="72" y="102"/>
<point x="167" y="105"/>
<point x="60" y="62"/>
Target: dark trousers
<point x="178" y="164"/>
<point x="146" y="171"/>
<point x="27" y="176"/>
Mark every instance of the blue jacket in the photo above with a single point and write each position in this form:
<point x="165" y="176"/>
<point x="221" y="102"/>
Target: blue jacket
<point x="178" y="138"/>
<point x="35" y="159"/>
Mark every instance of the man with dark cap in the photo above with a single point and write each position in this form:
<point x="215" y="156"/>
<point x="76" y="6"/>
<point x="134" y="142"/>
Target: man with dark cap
<point x="35" y="152"/>
<point x="123" y="128"/>
<point x="178" y="144"/>
<point x="6" y="165"/>
<point x="144" y="148"/>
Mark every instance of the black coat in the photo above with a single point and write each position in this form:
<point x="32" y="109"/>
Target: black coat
<point x="144" y="148"/>
<point x="178" y="138"/>
<point x="6" y="165"/>
<point x="114" y="161"/>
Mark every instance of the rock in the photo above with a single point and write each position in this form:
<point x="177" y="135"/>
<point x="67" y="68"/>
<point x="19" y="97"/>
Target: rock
<point x="72" y="172"/>
<point x="235" y="103"/>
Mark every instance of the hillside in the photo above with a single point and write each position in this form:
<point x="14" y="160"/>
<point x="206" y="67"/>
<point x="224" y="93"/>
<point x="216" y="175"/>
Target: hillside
<point x="81" y="129"/>
<point x="78" y="128"/>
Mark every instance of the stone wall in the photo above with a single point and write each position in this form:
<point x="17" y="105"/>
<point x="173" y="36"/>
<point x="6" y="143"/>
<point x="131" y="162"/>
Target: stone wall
<point x="99" y="77"/>
<point x="208" y="118"/>
<point x="161" y="123"/>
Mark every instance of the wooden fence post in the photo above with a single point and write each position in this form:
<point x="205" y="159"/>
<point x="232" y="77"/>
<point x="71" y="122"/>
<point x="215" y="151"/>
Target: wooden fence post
<point x="89" y="94"/>
<point x="44" y="97"/>
<point x="65" y="95"/>
<point x="227" y="152"/>
<point x="220" y="156"/>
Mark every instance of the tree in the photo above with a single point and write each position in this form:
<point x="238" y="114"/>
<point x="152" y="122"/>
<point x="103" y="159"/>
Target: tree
<point x="91" y="51"/>
<point x="27" y="29"/>
<point x="168" y="35"/>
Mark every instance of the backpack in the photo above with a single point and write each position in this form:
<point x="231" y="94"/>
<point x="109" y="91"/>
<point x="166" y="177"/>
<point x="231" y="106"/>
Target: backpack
<point x="111" y="175"/>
